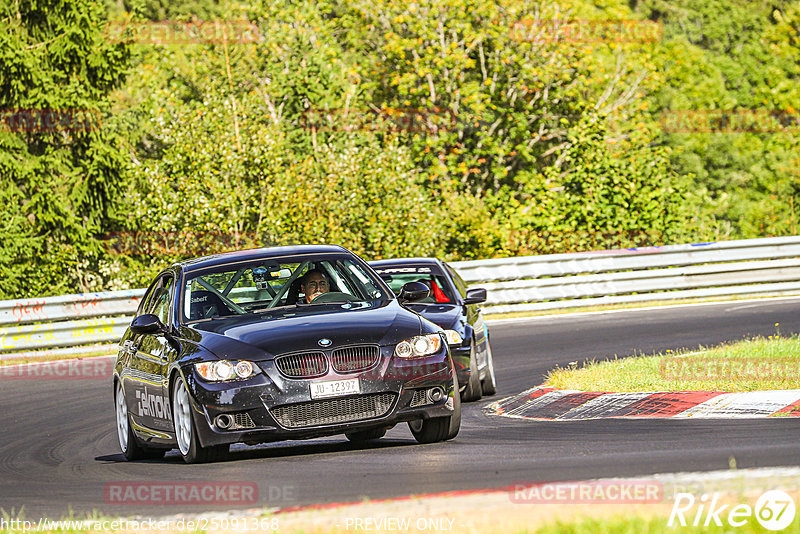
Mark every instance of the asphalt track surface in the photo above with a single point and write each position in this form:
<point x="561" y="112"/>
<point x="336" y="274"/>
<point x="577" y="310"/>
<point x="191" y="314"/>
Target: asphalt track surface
<point x="58" y="445"/>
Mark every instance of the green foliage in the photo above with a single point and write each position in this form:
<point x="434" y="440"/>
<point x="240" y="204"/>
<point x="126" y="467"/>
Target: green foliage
<point x="162" y="10"/>
<point x="58" y="184"/>
<point x="225" y="192"/>
<point x="606" y="194"/>
<point x="367" y="196"/>
<point x="457" y="128"/>
<point x="492" y="88"/>
<point x="734" y="55"/>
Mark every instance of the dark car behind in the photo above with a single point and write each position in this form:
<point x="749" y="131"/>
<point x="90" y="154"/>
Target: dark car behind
<point x="452" y="306"/>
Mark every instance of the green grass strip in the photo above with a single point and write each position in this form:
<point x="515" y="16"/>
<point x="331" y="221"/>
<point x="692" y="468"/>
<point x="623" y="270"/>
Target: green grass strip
<point x="749" y="365"/>
<point x="655" y="525"/>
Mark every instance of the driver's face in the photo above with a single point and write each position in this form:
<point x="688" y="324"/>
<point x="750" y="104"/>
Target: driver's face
<point x="315" y="286"/>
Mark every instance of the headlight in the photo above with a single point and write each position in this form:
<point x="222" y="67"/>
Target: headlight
<point x="225" y="370"/>
<point x="453" y="337"/>
<point x="418" y="346"/>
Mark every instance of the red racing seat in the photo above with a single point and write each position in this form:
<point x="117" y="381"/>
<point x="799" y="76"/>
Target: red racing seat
<point x="438" y="294"/>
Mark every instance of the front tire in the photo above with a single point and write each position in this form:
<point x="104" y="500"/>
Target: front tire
<point x="430" y="430"/>
<point x="185" y="431"/>
<point x="127" y="439"/>
<point x="455" y="419"/>
<point x="439" y="428"/>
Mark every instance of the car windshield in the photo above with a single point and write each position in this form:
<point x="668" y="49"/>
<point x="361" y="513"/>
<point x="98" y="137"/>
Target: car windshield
<point x="258" y="286"/>
<point x="430" y="275"/>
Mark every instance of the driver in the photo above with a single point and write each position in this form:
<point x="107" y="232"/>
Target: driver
<point x="313" y="284"/>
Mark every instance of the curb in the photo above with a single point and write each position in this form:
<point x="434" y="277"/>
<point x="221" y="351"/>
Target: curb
<point x="544" y="403"/>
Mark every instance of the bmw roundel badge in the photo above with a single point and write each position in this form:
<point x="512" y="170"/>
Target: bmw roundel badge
<point x="324" y="342"/>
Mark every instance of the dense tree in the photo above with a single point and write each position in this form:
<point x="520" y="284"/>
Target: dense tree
<point x="730" y="86"/>
<point x="60" y="170"/>
<point x="460" y="128"/>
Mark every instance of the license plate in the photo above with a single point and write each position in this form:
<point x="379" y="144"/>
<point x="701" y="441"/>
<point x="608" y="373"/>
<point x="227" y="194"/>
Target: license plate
<point x="335" y="388"/>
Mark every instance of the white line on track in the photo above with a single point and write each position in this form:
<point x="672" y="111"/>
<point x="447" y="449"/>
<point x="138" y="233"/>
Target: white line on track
<point x="568" y="315"/>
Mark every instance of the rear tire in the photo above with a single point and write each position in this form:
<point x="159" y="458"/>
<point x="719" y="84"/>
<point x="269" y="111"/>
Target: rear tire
<point x="185" y="432"/>
<point x="130" y="447"/>
<point x="361" y="436"/>
<point x="473" y="390"/>
<point x="489" y="384"/>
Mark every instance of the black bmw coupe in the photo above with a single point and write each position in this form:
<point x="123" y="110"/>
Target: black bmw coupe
<point x="277" y="344"/>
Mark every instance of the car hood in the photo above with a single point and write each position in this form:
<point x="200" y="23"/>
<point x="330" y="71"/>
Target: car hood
<point x="443" y="315"/>
<point x="262" y="337"/>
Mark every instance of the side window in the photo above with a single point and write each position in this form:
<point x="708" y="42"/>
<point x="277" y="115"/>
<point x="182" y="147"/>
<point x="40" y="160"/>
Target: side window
<point x="461" y="287"/>
<point x="158" y="303"/>
<point x="147" y="299"/>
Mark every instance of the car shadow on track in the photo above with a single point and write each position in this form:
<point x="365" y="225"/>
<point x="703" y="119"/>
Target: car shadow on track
<point x="278" y="450"/>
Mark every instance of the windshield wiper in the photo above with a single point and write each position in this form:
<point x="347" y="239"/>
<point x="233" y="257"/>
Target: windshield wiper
<point x="212" y="318"/>
<point x="268" y="309"/>
<point x="336" y="302"/>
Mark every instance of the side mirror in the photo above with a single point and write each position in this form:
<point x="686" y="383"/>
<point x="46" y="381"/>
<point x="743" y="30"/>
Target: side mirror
<point x="413" y="291"/>
<point x="475" y="296"/>
<point x="147" y="324"/>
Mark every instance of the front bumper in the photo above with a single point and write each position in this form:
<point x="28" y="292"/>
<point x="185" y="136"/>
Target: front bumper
<point x="393" y="391"/>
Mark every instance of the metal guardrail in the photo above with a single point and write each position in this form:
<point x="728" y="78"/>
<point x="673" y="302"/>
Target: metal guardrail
<point x="529" y="283"/>
<point x="725" y="268"/>
<point x="65" y="321"/>
<point x="64" y="307"/>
